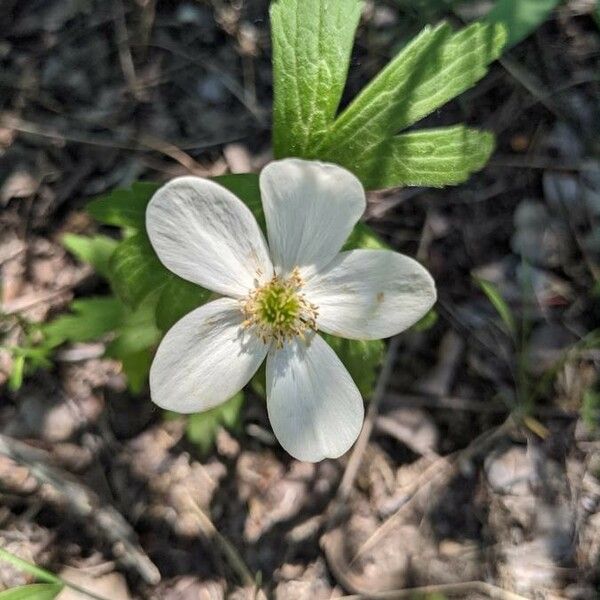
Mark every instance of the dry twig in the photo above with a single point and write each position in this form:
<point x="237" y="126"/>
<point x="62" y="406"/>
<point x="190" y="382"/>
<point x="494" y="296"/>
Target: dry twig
<point x="85" y="504"/>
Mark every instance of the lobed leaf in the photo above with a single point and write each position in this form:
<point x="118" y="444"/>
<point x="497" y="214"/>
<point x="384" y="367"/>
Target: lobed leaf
<point x="135" y="269"/>
<point x="520" y="17"/>
<point x="432" y="69"/>
<point x="177" y="299"/>
<point x="91" y="318"/>
<point x="124" y="207"/>
<point x="312" y="42"/>
<point x="95" y="250"/>
<point x="433" y="157"/>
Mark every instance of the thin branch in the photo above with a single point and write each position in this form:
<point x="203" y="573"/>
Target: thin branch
<point x="84" y="503"/>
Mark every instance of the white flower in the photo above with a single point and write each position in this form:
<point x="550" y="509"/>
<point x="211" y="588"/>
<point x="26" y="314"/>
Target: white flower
<point x="276" y="297"/>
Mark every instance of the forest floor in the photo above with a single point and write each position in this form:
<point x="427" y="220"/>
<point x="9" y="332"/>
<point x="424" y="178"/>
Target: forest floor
<point x="482" y="472"/>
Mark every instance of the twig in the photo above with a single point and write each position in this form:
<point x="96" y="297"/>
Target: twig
<point x="225" y="546"/>
<point x="125" y="57"/>
<point x="85" y="504"/>
<point x="142" y="142"/>
<point x="461" y="588"/>
<point x="443" y="402"/>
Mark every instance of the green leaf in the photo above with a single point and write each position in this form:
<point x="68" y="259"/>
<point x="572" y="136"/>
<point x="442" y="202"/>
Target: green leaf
<point x="137" y="331"/>
<point x="23" y="565"/>
<point x="433" y="157"/>
<point x="498" y="302"/>
<point x="363" y="236"/>
<point x="361" y="358"/>
<point x="135" y="342"/>
<point x="590" y="409"/>
<point x="312" y="41"/>
<point x="15" y="380"/>
<point x="426" y="322"/>
<point x="124" y="207"/>
<point x="136" y="367"/>
<point x="35" y="591"/>
<point x="520" y="17"/>
<point x="245" y="186"/>
<point x="178" y="297"/>
<point x="202" y="427"/>
<point x="136" y="270"/>
<point x="432" y="69"/>
<point x="95" y="250"/>
<point x="90" y="319"/>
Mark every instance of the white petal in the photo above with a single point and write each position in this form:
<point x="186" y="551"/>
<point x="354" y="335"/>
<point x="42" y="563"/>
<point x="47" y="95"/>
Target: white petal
<point x="205" y="234"/>
<point x="315" y="408"/>
<point x="310" y="208"/>
<point x="204" y="359"/>
<point x="370" y="294"/>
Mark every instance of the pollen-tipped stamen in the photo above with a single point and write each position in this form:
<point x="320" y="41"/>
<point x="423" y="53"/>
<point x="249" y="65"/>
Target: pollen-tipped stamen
<point x="278" y="311"/>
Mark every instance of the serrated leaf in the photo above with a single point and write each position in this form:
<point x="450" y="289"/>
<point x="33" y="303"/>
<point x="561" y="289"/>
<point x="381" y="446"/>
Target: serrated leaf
<point x="312" y="41"/>
<point x="202" y="427"/>
<point x="498" y="302"/>
<point x="178" y="297"/>
<point x="135" y="269"/>
<point x="91" y="318"/>
<point x="433" y="157"/>
<point x="135" y="342"/>
<point x="137" y="331"/>
<point x="432" y="69"/>
<point x="95" y="250"/>
<point x="35" y="591"/>
<point x="124" y="207"/>
<point x="520" y="17"/>
<point x="361" y="358"/>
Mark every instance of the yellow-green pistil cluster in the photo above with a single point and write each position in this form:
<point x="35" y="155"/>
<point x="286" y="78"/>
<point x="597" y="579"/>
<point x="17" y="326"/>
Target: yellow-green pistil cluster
<point x="278" y="312"/>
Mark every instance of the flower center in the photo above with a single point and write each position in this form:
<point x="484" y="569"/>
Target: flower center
<point x="277" y="311"/>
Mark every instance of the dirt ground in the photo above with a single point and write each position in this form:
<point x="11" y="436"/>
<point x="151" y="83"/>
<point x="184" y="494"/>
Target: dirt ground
<point x="456" y="487"/>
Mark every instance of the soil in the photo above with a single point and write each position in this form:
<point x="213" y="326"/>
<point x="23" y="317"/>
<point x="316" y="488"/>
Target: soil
<point x="456" y="487"/>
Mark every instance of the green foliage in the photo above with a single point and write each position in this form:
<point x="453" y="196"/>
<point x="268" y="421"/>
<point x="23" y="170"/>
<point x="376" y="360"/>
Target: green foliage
<point x="426" y="322"/>
<point x="363" y="236"/>
<point x="431" y="70"/>
<point x="135" y="270"/>
<point x="520" y="17"/>
<point x="590" y="409"/>
<point x="437" y="157"/>
<point x="124" y="207"/>
<point x="498" y="302"/>
<point x="202" y="427"/>
<point x="361" y="358"/>
<point x="95" y="250"/>
<point x="15" y="380"/>
<point x="312" y="42"/>
<point x="91" y="318"/>
<point x="37" y="572"/>
<point x="178" y="297"/>
<point x="35" y="591"/>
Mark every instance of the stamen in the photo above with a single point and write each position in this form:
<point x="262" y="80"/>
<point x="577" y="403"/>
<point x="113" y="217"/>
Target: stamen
<point x="278" y="312"/>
